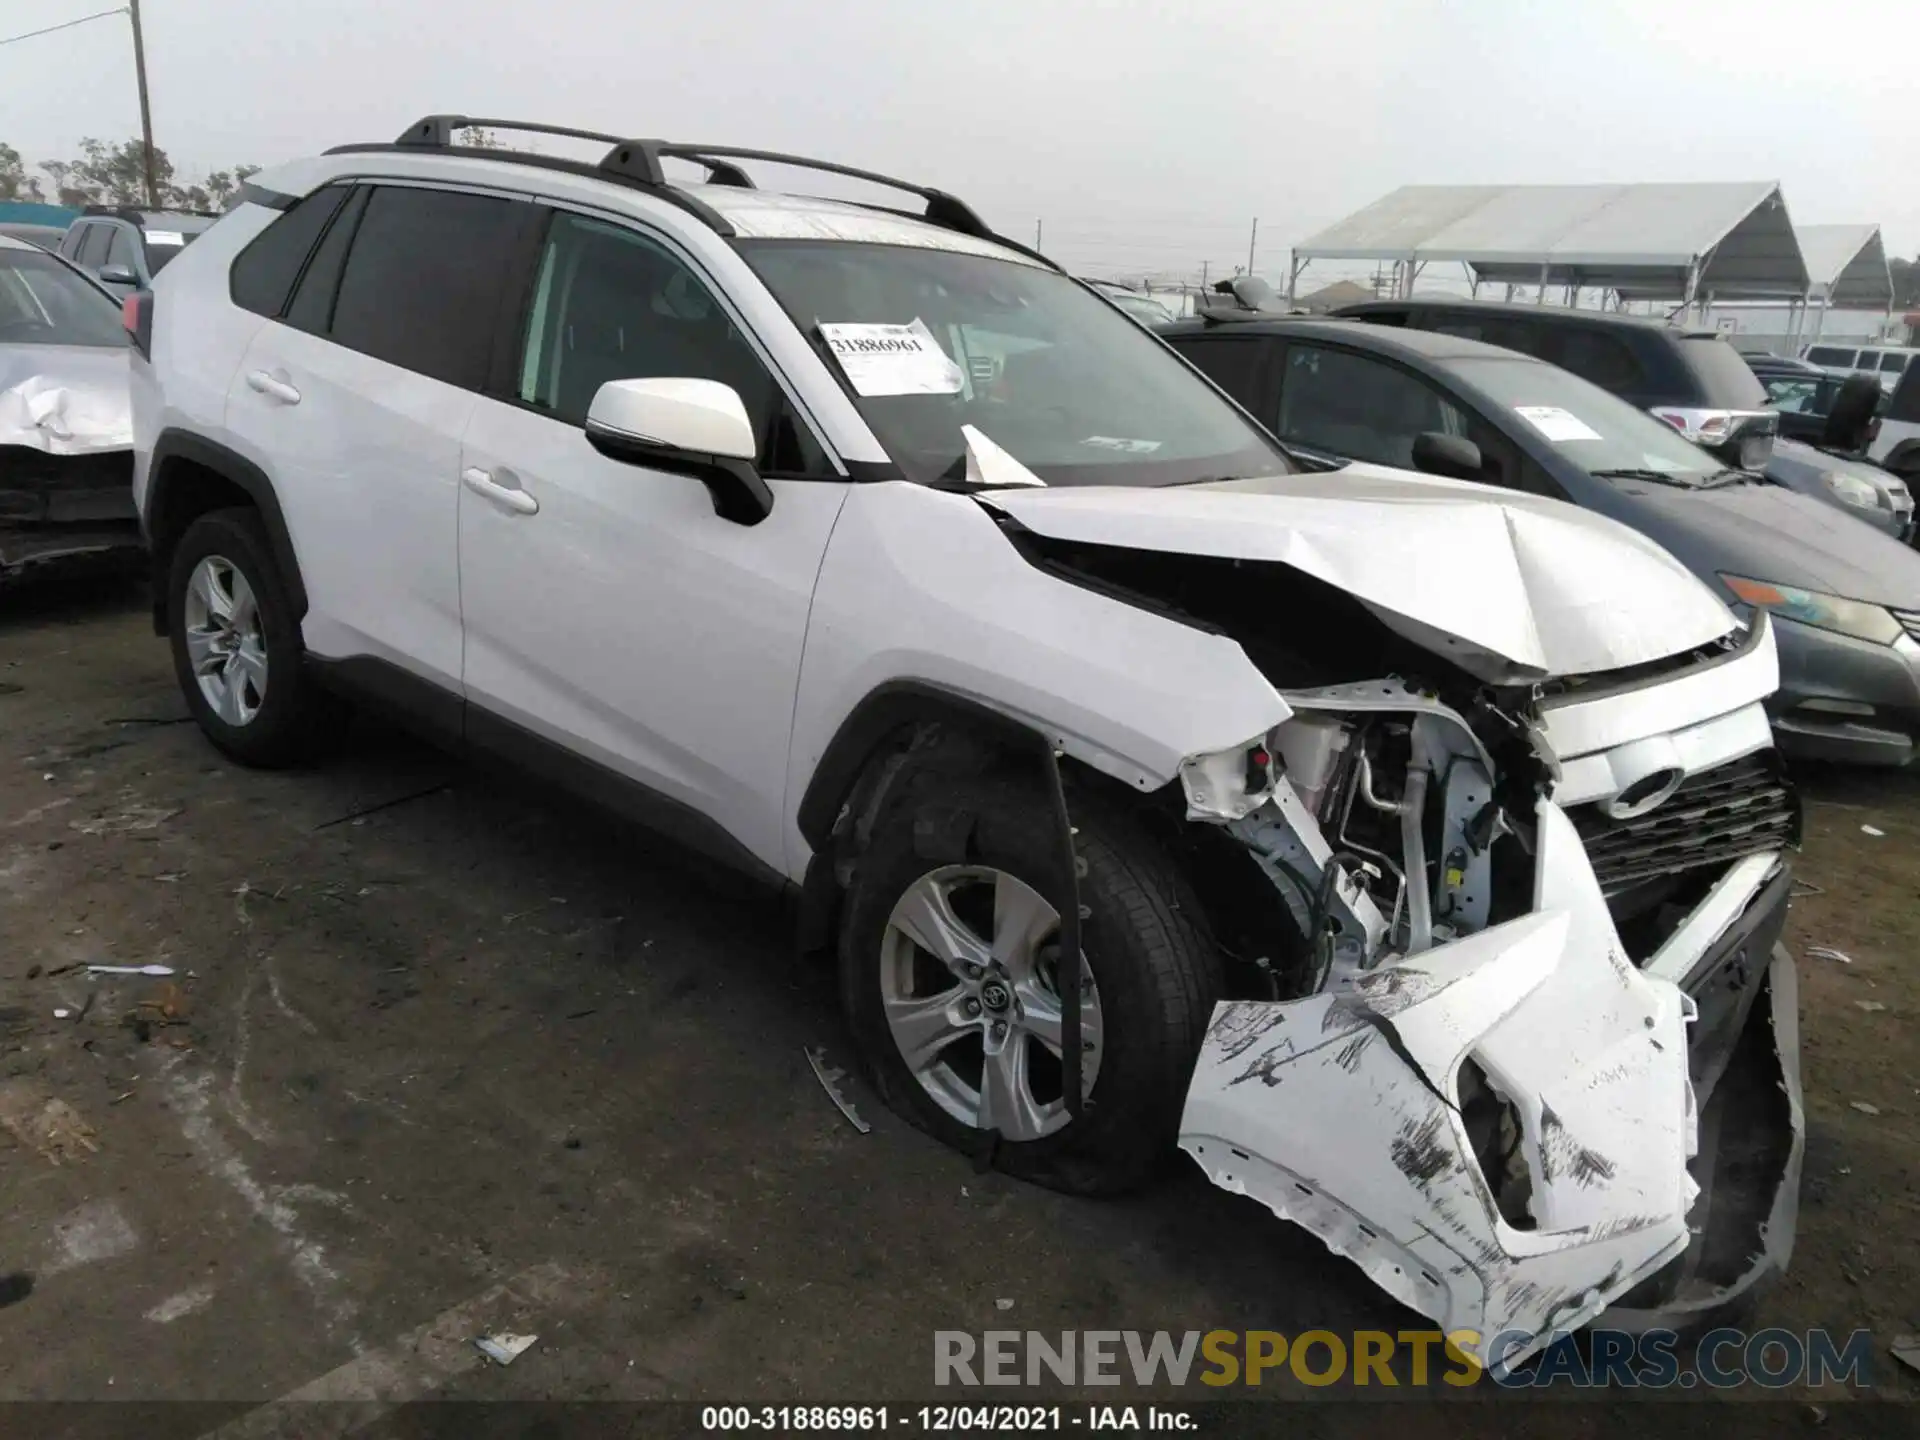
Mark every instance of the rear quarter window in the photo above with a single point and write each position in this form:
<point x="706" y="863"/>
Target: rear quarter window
<point x="1830" y="355"/>
<point x="1725" y="379"/>
<point x="263" y="274"/>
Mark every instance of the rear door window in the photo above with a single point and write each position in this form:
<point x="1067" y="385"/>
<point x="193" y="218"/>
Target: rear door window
<point x="421" y="286"/>
<point x="93" y="249"/>
<point x="1232" y="363"/>
<point x="123" y="250"/>
<point x="1354" y="406"/>
<point x="263" y="274"/>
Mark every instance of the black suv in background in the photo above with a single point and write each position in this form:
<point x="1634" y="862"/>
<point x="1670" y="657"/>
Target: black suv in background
<point x="1690" y="378"/>
<point x="124" y="248"/>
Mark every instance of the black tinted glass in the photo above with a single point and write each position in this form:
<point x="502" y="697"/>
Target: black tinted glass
<point x="312" y="305"/>
<point x="1233" y="365"/>
<point x="1727" y="382"/>
<point x="422" y="282"/>
<point x="1601" y="358"/>
<point x="263" y="273"/>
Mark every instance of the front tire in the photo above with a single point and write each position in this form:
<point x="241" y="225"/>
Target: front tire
<point x="948" y="973"/>
<point x="236" y="645"/>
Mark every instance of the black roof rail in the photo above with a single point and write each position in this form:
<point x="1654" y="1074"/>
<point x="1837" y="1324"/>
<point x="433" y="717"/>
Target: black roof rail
<point x="637" y="162"/>
<point x="119" y="212"/>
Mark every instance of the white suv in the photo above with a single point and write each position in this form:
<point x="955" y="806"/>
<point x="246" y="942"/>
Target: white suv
<point x="1401" y="826"/>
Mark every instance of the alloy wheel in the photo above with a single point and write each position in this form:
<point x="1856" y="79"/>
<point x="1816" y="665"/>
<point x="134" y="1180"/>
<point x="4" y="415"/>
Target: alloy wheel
<point x="226" y="644"/>
<point x="969" y="985"/>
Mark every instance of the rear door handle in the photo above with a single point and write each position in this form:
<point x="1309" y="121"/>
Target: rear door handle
<point x="269" y="385"/>
<point x="481" y="482"/>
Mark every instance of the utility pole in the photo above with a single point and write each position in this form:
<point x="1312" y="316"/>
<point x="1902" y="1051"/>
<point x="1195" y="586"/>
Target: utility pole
<point x="1203" y="273"/>
<point x="1251" y="239"/>
<point x="146" y="115"/>
<point x="1036" y="233"/>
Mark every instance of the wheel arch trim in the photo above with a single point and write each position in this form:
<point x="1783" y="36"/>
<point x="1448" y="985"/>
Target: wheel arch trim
<point x="175" y="444"/>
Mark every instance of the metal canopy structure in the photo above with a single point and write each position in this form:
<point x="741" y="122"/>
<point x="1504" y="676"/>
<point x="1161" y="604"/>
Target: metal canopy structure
<point x="1847" y="265"/>
<point x="1732" y="241"/>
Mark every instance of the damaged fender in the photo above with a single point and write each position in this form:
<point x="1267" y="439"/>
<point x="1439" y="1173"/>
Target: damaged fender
<point x="65" y="400"/>
<point x="1342" y="1112"/>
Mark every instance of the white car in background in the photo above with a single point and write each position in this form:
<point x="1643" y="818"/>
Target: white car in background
<point x="1148" y="788"/>
<point x="66" y="430"/>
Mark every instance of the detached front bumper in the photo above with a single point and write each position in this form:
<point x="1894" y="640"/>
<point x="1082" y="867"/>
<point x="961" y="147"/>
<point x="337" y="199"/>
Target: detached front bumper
<point x="1344" y="1112"/>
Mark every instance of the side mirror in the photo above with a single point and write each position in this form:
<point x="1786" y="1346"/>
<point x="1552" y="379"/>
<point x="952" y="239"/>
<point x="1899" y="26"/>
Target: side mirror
<point x="690" y="427"/>
<point x="118" y="275"/>
<point x="1450" y="456"/>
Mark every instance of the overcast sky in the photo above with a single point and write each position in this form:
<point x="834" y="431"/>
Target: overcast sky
<point x="1145" y="135"/>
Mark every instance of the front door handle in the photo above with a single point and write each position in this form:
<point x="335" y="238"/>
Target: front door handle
<point x="268" y="384"/>
<point x="481" y="482"/>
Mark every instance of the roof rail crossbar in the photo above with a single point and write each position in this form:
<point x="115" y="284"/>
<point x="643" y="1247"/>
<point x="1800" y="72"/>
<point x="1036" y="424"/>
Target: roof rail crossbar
<point x="942" y="209"/>
<point x="637" y="162"/>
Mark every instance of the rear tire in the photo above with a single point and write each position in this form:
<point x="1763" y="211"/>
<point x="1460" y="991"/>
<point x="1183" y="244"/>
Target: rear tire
<point x="1155" y="976"/>
<point x="236" y="645"/>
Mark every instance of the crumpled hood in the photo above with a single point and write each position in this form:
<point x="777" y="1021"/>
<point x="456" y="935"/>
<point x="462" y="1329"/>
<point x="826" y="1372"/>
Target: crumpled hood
<point x="1538" y="583"/>
<point x="1765" y="532"/>
<point x="65" y="399"/>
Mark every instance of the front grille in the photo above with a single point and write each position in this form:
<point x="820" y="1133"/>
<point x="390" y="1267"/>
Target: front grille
<point x="1714" y="818"/>
<point x="1909" y="621"/>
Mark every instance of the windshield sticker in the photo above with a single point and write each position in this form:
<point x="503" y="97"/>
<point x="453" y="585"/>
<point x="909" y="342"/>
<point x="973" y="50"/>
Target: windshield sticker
<point x="165" y="237"/>
<point x="892" y="359"/>
<point x="1125" y="447"/>
<point x="1556" y="424"/>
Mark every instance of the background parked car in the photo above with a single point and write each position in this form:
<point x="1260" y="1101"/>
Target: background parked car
<point x="1692" y="379"/>
<point x="124" y="248"/>
<point x="66" y="431"/>
<point x="1896" y="441"/>
<point x="1887" y="363"/>
<point x="1142" y="307"/>
<point x="47" y="237"/>
<point x="1845" y="600"/>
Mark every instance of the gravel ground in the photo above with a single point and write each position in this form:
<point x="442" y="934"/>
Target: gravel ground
<point x="442" y="1056"/>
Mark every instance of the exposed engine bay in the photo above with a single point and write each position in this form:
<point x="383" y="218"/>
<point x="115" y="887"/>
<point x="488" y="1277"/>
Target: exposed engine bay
<point x="1500" y="994"/>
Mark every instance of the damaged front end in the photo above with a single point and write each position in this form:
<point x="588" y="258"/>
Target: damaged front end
<point x="1524" y="1064"/>
<point x="66" y="456"/>
<point x="1499" y="892"/>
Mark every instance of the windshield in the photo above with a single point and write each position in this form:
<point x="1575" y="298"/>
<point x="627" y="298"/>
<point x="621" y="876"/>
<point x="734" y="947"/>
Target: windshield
<point x="1726" y="380"/>
<point x="1593" y="428"/>
<point x="1050" y="373"/>
<point x="42" y="302"/>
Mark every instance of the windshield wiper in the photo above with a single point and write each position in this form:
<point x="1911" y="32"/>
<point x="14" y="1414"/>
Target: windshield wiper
<point x="1659" y="477"/>
<point x="1720" y="478"/>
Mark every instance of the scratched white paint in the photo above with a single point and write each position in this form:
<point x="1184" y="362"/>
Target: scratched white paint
<point x="96" y="1231"/>
<point x="1309" y="1107"/>
<point x="184" y="1303"/>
